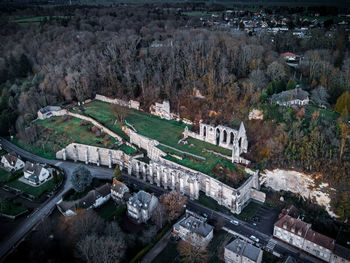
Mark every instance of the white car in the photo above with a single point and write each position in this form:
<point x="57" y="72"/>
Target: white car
<point x="234" y="222"/>
<point x="254" y="238"/>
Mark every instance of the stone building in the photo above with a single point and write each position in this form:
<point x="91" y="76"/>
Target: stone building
<point x="291" y="97"/>
<point x="11" y="162"/>
<point x="299" y="234"/>
<point x="118" y="190"/>
<point x="48" y="112"/>
<point x="225" y="137"/>
<point x="194" y="230"/>
<point x="240" y="251"/>
<point x="141" y="205"/>
<point x="161" y="110"/>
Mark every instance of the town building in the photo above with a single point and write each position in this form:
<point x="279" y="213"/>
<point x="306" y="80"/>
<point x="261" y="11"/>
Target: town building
<point x="11" y="162"/>
<point x="118" y="190"/>
<point x="288" y="98"/>
<point x="48" y="112"/>
<point x="35" y="173"/>
<point x="299" y="234"/>
<point x="194" y="230"/>
<point x="240" y="251"/>
<point x="141" y="205"/>
<point x="93" y="199"/>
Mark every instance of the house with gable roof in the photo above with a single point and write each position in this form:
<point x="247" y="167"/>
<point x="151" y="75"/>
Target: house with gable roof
<point x="141" y="205"/>
<point x="240" y="251"/>
<point x="11" y="162"/>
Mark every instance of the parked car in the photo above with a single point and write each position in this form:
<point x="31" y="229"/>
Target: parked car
<point x="254" y="238"/>
<point x="205" y="215"/>
<point x="234" y="222"/>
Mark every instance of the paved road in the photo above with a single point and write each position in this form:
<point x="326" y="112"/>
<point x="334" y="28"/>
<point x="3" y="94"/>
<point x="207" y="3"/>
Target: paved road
<point x="244" y="229"/>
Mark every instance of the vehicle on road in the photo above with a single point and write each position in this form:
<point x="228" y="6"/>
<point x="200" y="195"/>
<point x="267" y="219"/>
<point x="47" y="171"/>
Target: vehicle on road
<point x="254" y="238"/>
<point x="254" y="224"/>
<point x="205" y="215"/>
<point x="234" y="222"/>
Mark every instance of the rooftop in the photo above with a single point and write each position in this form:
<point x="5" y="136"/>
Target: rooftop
<point x="243" y="248"/>
<point x="196" y="225"/>
<point x="50" y="108"/>
<point x="293" y="225"/>
<point x="141" y="199"/>
<point x="320" y="239"/>
<point x="11" y="158"/>
<point x="33" y="169"/>
<point x="288" y="95"/>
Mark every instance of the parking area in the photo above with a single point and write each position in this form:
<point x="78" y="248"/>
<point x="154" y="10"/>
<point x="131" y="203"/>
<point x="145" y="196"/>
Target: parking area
<point x="264" y="219"/>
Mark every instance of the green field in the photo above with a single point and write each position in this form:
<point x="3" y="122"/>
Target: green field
<point x="111" y="211"/>
<point x="3" y="175"/>
<point x="249" y="211"/>
<point x="35" y="191"/>
<point x="168" y="133"/>
<point x="127" y="149"/>
<point x="10" y="208"/>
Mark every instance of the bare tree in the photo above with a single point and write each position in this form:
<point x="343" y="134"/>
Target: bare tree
<point x="174" y="204"/>
<point x="159" y="215"/>
<point x="120" y="112"/>
<point x="276" y="71"/>
<point x="192" y="254"/>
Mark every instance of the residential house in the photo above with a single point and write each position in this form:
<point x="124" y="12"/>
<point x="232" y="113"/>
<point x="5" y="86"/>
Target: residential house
<point x="118" y="190"/>
<point x="93" y="199"/>
<point x="291" y="97"/>
<point x="195" y="230"/>
<point x="240" y="251"/>
<point x="141" y="205"/>
<point x="299" y="234"/>
<point x="48" y="112"/>
<point x="11" y="162"/>
<point x="35" y="173"/>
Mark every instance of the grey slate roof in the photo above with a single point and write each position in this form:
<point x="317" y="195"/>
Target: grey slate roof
<point x="243" y="248"/>
<point x="141" y="199"/>
<point x="11" y="158"/>
<point x="33" y="169"/>
<point x="50" y="108"/>
<point x="288" y="95"/>
<point x="197" y="226"/>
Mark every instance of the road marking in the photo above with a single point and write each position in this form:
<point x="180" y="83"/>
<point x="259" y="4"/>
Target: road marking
<point x="271" y="244"/>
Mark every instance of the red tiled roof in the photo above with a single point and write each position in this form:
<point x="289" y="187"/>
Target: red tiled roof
<point x="293" y="225"/>
<point x="320" y="239"/>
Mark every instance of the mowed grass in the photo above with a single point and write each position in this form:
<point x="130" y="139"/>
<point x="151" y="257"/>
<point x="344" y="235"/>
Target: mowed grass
<point x="3" y="174"/>
<point x="167" y="133"/>
<point x="11" y="208"/>
<point x="35" y="191"/>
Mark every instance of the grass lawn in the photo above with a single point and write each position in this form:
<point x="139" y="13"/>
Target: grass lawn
<point x="169" y="254"/>
<point x="168" y="133"/>
<point x="58" y="133"/>
<point x="127" y="149"/>
<point x="101" y="111"/>
<point x="211" y="203"/>
<point x="3" y="175"/>
<point x="35" y="191"/>
<point x="10" y="208"/>
<point x="111" y="211"/>
<point x="249" y="211"/>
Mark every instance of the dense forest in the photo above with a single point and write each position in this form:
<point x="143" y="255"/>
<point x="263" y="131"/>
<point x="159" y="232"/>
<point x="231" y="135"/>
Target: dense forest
<point x="153" y="52"/>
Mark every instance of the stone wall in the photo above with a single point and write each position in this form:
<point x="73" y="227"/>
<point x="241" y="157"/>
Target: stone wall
<point x="92" y="154"/>
<point x="130" y="104"/>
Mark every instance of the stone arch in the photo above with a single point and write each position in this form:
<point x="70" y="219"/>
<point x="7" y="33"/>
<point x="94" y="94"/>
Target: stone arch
<point x="218" y="134"/>
<point x="224" y="137"/>
<point x="232" y="137"/>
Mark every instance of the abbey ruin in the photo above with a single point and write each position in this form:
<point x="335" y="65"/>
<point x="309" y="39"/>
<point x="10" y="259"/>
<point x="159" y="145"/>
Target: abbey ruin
<point x="168" y="174"/>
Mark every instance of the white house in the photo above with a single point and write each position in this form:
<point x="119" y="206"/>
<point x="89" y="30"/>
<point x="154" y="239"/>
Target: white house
<point x="48" y="112"/>
<point x="11" y="162"/>
<point x="118" y="190"/>
<point x="93" y="199"/>
<point x="141" y="205"/>
<point x="35" y="173"/>
<point x="240" y="251"/>
<point x="195" y="230"/>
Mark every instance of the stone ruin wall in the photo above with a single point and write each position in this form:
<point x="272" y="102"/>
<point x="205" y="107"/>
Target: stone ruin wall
<point x="92" y="154"/>
<point x="130" y="104"/>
